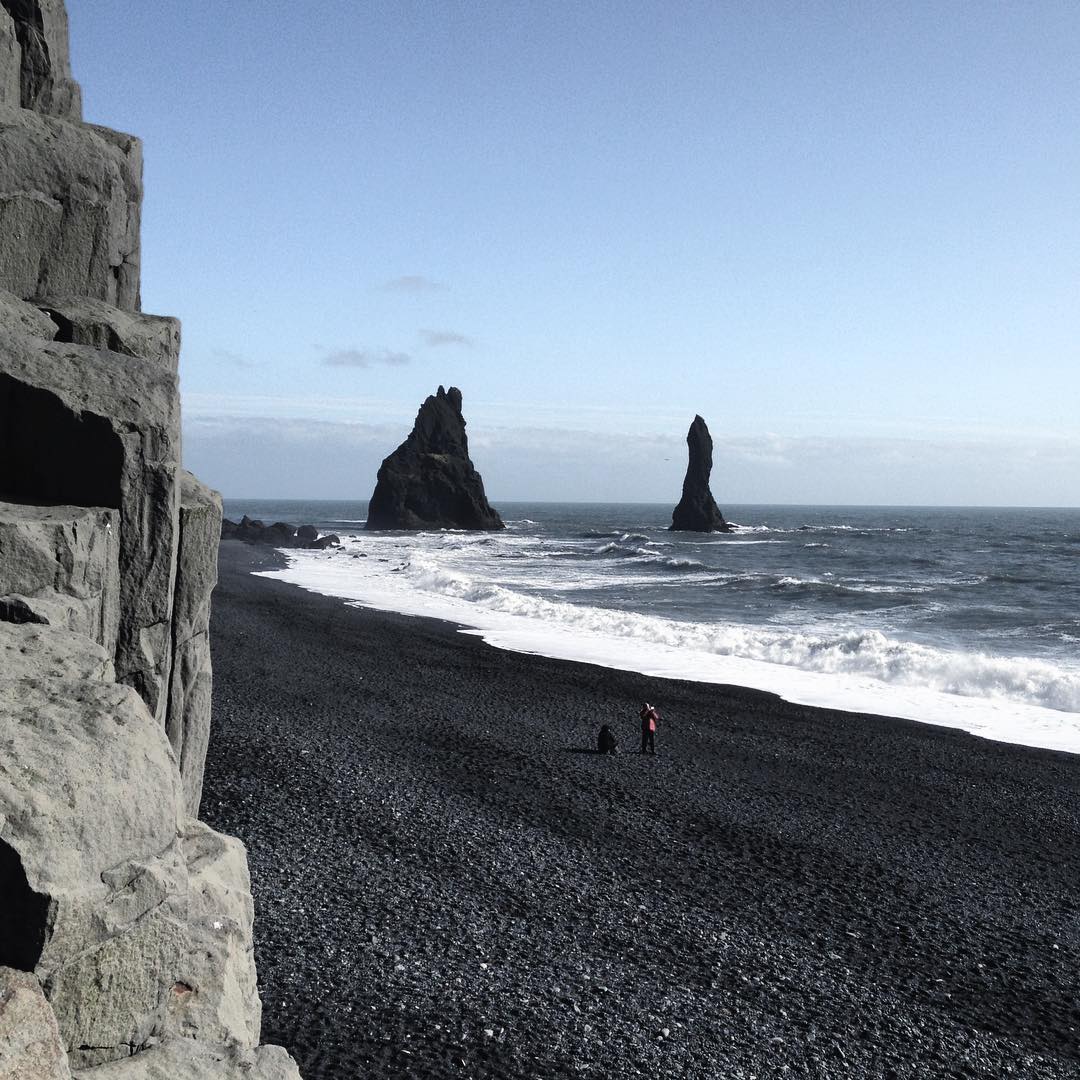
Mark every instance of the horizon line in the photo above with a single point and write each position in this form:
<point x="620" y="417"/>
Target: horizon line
<point x="621" y="502"/>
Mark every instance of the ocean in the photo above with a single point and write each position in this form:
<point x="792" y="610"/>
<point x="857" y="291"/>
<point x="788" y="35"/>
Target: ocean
<point x="966" y="617"/>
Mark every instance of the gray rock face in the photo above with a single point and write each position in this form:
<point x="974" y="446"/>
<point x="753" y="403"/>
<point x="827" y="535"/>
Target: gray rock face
<point x="10" y="61"/>
<point x="188" y="717"/>
<point x="30" y="1045"/>
<point x="84" y="321"/>
<point x="16" y="314"/>
<point x="89" y="800"/>
<point x="137" y="922"/>
<point x="70" y="207"/>
<point x="93" y="428"/>
<point x="697" y="510"/>
<point x="35" y="64"/>
<point x="429" y="481"/>
<point x="61" y="563"/>
<point x="130" y="916"/>
<point x="186" y="1059"/>
<point x="222" y="1004"/>
<point x="33" y="651"/>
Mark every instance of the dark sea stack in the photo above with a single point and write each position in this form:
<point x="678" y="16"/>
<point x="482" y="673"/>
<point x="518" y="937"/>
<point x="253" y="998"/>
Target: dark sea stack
<point x="697" y="510"/>
<point x="428" y="482"/>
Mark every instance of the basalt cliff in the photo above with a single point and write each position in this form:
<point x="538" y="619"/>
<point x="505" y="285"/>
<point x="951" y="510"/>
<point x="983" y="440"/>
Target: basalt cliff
<point x="125" y="922"/>
<point x="429" y="481"/>
<point x="697" y="510"/>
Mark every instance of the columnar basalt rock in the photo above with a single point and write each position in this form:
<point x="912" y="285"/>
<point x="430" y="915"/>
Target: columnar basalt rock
<point x="429" y="481"/>
<point x="188" y="715"/>
<point x="697" y="510"/>
<point x="126" y="922"/>
<point x="69" y="209"/>
<point x="10" y="61"/>
<point x="61" y="565"/>
<point x="81" y="320"/>
<point x="32" y="651"/>
<point x="96" y="428"/>
<point x="90" y="800"/>
<point x="35" y="63"/>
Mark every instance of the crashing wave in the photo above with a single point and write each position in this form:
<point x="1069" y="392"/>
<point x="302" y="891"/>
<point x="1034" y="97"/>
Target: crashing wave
<point x="865" y="653"/>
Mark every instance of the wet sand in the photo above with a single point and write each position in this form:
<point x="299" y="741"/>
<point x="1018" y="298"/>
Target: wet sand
<point x="449" y="883"/>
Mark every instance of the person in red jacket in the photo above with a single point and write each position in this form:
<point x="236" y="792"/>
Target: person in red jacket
<point x="649" y="717"/>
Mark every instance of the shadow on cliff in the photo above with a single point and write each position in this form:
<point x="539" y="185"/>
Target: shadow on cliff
<point x="26" y="915"/>
<point x="51" y="455"/>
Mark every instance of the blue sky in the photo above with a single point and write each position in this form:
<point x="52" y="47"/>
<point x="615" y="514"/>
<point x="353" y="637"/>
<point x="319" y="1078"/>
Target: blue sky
<point x="846" y="234"/>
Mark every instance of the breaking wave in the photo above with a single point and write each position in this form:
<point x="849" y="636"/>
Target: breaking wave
<point x="864" y="653"/>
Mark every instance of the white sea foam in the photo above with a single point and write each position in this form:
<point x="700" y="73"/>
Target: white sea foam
<point x="1017" y="700"/>
<point x="909" y="588"/>
<point x="866" y="529"/>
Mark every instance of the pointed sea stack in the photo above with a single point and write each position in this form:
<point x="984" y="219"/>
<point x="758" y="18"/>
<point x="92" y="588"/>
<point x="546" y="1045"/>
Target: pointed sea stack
<point x="697" y="510"/>
<point x="428" y="482"/>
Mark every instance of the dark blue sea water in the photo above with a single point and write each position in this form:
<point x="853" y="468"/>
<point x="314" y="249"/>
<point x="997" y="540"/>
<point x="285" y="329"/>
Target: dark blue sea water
<point x="825" y="604"/>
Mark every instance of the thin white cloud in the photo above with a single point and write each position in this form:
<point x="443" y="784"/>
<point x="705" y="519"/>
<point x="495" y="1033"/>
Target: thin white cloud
<point x="365" y="358"/>
<point x="434" y="339"/>
<point x="232" y="359"/>
<point x="412" y="283"/>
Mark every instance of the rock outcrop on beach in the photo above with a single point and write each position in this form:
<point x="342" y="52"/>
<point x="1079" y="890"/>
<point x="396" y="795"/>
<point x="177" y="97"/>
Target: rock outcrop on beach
<point x="279" y="534"/>
<point x="429" y="481"/>
<point x="697" y="510"/>
<point x="125" y="923"/>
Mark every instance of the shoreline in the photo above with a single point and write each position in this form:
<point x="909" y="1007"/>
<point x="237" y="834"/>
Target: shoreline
<point x="435" y="856"/>
<point x="997" y="719"/>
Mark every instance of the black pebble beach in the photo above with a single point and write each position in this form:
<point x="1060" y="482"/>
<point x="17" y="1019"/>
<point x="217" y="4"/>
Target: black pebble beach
<point x="448" y="882"/>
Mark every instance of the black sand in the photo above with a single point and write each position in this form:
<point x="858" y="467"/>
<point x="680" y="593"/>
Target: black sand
<point x="448" y="884"/>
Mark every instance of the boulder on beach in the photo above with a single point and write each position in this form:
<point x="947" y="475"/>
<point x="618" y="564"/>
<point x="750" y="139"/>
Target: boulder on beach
<point x="697" y="510"/>
<point x="429" y="481"/>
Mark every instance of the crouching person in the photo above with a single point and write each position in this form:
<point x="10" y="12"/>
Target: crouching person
<point x="606" y="743"/>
